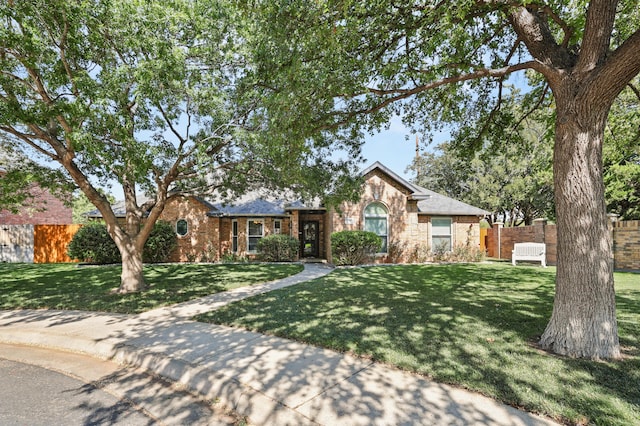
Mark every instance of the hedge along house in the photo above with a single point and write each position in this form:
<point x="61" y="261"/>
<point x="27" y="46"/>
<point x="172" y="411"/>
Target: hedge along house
<point x="408" y="219"/>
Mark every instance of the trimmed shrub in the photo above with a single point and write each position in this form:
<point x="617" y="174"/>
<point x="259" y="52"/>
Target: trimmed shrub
<point x="278" y="248"/>
<point x="93" y="244"/>
<point x="354" y="247"/>
<point x="161" y="242"/>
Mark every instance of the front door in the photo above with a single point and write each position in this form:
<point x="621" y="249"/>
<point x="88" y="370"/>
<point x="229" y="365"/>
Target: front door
<point x="309" y="241"/>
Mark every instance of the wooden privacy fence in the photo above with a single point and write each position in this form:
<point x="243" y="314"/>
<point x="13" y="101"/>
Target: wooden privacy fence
<point x="499" y="241"/>
<point x="50" y="242"/>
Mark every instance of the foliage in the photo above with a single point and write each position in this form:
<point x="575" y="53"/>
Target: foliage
<point x="22" y="180"/>
<point x="510" y="174"/>
<point x="622" y="155"/>
<point x="278" y="248"/>
<point x="161" y="242"/>
<point x="466" y="253"/>
<point x="92" y="243"/>
<point x="88" y="288"/>
<point x="82" y="205"/>
<point x="468" y="325"/>
<point x="354" y="247"/>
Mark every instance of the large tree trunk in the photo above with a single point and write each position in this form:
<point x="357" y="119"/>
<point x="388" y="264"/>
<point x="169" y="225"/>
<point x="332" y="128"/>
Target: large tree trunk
<point x="132" y="278"/>
<point x="583" y="323"/>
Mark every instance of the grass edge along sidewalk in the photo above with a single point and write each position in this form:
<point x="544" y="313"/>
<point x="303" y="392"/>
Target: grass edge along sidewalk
<point x="470" y="325"/>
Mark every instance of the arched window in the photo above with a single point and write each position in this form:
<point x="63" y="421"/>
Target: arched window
<point x="376" y="220"/>
<point x="182" y="227"/>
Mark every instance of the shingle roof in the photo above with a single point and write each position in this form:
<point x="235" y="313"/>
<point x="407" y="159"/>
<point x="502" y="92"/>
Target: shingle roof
<point x="256" y="206"/>
<point x="441" y="205"/>
<point x="118" y="208"/>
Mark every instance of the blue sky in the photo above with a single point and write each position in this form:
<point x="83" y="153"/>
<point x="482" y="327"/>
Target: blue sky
<point x="396" y="147"/>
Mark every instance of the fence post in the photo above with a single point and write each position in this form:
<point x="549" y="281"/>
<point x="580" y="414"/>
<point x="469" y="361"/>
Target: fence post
<point x="498" y="227"/>
<point x="540" y="226"/>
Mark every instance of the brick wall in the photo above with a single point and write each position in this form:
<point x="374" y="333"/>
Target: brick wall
<point x="226" y="232"/>
<point x="404" y="227"/>
<point x="626" y="245"/>
<point x="539" y="232"/>
<point x="202" y="241"/>
<point x="626" y="241"/>
<point x="45" y="210"/>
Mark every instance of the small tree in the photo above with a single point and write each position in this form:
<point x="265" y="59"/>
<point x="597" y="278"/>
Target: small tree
<point x="278" y="248"/>
<point x="354" y="247"/>
<point x="147" y="94"/>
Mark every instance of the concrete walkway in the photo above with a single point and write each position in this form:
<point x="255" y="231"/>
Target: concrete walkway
<point x="272" y="381"/>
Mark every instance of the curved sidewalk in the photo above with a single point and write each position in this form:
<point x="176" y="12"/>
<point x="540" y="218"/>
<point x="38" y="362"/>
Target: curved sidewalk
<point x="272" y="381"/>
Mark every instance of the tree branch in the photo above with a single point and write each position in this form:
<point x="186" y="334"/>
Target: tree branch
<point x="535" y="107"/>
<point x="533" y="30"/>
<point x="28" y="139"/>
<point x="635" y="90"/>
<point x="601" y="16"/>
<point x="618" y="70"/>
<point x="400" y="94"/>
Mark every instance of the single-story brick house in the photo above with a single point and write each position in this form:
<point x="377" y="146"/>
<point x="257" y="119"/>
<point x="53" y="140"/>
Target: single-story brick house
<point x="407" y="217"/>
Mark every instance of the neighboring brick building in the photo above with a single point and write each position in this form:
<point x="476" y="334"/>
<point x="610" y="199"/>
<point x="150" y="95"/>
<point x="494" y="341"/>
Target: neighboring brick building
<point x="407" y="217"/>
<point x="43" y="209"/>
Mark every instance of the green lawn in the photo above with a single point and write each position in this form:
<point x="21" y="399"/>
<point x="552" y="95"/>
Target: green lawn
<point x="474" y="326"/>
<point x="69" y="286"/>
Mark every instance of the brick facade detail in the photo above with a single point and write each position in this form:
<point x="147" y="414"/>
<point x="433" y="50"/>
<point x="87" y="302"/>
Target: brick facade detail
<point x="626" y="245"/>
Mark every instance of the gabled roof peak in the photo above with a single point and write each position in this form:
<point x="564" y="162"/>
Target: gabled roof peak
<point x="416" y="192"/>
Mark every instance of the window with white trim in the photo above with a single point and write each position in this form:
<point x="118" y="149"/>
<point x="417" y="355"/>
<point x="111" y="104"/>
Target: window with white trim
<point x="234" y="236"/>
<point x="441" y="233"/>
<point x="182" y="227"/>
<point x="376" y="220"/>
<point x="277" y="226"/>
<point x="255" y="232"/>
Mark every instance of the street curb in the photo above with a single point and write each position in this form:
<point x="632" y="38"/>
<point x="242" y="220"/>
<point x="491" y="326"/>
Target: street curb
<point x="212" y="385"/>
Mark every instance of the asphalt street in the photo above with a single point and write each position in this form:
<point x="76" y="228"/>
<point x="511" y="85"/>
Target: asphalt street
<point x="41" y="386"/>
<point x="33" y="395"/>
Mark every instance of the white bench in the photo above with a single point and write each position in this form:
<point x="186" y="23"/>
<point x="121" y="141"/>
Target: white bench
<point x="529" y="251"/>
